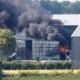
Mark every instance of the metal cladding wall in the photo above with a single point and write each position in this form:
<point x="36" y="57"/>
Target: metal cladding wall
<point x="21" y="50"/>
<point x="42" y="49"/>
<point x="75" y="53"/>
<point x="34" y="49"/>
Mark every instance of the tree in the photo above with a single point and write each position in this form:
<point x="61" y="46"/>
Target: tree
<point x="7" y="45"/>
<point x="53" y="6"/>
<point x="7" y="42"/>
<point x="66" y="7"/>
<point x="75" y="7"/>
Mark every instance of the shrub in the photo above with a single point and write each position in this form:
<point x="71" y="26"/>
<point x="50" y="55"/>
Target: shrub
<point x="44" y="73"/>
<point x="14" y="65"/>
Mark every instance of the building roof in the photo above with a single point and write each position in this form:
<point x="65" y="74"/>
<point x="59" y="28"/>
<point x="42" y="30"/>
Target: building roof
<point x="20" y="36"/>
<point x="76" y="33"/>
<point x="67" y="19"/>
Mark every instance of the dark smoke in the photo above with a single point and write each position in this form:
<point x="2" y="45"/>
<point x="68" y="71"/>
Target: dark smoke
<point x="3" y="17"/>
<point x="28" y="16"/>
<point x="33" y="30"/>
<point x="11" y="22"/>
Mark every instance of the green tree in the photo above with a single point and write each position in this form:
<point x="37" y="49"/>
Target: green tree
<point x="7" y="42"/>
<point x="75" y="7"/>
<point x="66" y="7"/>
<point x="53" y="6"/>
<point x="7" y="45"/>
<point x="56" y="7"/>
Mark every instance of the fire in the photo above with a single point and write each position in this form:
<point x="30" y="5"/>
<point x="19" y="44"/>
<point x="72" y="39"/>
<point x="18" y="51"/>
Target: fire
<point x="64" y="49"/>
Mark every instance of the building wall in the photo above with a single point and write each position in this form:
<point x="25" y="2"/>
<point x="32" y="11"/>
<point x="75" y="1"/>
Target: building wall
<point x="21" y="50"/>
<point x="33" y="49"/>
<point x="45" y="50"/>
<point x="75" y="52"/>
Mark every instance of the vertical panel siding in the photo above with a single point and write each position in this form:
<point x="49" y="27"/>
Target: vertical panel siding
<point x="75" y="52"/>
<point x="41" y="48"/>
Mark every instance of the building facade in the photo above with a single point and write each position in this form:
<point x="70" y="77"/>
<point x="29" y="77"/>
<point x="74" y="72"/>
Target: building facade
<point x="76" y="49"/>
<point x="45" y="49"/>
<point x="31" y="49"/>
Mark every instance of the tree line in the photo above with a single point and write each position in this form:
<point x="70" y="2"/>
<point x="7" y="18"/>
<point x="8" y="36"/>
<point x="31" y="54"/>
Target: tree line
<point x="64" y="7"/>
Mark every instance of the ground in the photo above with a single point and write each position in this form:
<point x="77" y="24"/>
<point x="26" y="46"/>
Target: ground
<point x="44" y="78"/>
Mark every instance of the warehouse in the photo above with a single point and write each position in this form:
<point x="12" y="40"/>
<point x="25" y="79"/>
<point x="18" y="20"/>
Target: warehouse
<point x="76" y="48"/>
<point x="33" y="49"/>
<point x="70" y="21"/>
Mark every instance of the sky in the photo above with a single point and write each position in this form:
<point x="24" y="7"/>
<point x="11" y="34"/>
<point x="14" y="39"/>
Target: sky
<point x="68" y="0"/>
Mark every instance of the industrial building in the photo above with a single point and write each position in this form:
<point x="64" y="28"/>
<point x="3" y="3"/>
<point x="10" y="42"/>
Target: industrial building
<point x="32" y="49"/>
<point x="28" y="48"/>
<point x="76" y="49"/>
<point x="70" y="21"/>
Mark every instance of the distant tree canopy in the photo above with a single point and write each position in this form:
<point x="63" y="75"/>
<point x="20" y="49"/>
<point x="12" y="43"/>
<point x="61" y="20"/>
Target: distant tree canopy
<point x="61" y="7"/>
<point x="7" y="42"/>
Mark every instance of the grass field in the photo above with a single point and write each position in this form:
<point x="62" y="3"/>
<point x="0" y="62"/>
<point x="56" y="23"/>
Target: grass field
<point x="44" y="78"/>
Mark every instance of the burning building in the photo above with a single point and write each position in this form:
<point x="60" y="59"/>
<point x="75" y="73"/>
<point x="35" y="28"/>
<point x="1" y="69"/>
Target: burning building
<point x="36" y="21"/>
<point x="33" y="49"/>
<point x="29" y="20"/>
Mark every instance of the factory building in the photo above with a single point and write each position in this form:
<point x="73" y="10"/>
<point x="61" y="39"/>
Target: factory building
<point x="33" y="49"/>
<point x="70" y="21"/>
<point x="76" y="48"/>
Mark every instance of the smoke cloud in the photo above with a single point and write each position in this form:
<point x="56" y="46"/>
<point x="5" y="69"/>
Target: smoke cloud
<point x="3" y="17"/>
<point x="28" y="16"/>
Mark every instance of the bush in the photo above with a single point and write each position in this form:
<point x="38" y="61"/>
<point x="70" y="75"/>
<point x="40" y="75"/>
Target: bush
<point x="44" y="73"/>
<point x="14" y="65"/>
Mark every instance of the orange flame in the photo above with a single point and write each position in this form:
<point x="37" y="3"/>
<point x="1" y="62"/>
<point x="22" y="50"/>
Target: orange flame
<point x="64" y="49"/>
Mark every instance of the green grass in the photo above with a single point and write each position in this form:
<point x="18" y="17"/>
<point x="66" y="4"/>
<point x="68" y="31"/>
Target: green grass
<point x="44" y="78"/>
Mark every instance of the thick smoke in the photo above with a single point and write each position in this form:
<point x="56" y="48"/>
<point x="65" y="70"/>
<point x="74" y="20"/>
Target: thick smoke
<point x="3" y="17"/>
<point x="11" y="11"/>
<point x="28" y="16"/>
<point x="33" y="30"/>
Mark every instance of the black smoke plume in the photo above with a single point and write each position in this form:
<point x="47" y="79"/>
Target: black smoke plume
<point x="29" y="16"/>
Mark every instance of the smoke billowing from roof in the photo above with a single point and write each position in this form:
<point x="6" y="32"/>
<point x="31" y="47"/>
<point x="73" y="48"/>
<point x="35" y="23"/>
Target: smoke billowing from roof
<point x="29" y="15"/>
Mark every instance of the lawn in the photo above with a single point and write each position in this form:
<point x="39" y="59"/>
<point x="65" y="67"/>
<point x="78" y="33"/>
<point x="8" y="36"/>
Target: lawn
<point x="44" y="78"/>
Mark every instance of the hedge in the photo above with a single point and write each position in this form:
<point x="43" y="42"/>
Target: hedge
<point x="44" y="73"/>
<point x="14" y="65"/>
